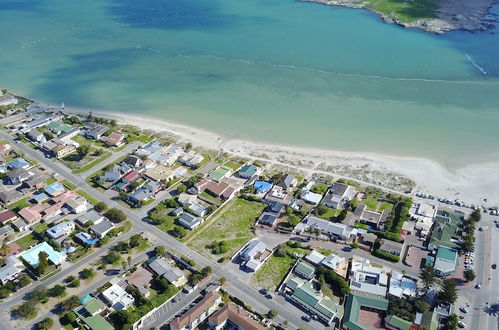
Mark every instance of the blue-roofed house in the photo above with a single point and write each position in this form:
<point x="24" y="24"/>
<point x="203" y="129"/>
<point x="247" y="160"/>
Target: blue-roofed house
<point x="262" y="186"/>
<point x="18" y="163"/>
<point x="86" y="238"/>
<point x="40" y="198"/>
<point x="31" y="256"/>
<point x="55" y="189"/>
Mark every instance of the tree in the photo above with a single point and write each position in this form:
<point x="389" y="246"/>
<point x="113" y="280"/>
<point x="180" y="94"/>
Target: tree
<point x="116" y="215"/>
<point x="42" y="263"/>
<point x="24" y="280"/>
<point x="5" y="249"/>
<point x="448" y="292"/>
<point x="75" y="283"/>
<point x="27" y="310"/>
<point x="70" y="317"/>
<point x="293" y="220"/>
<point x="87" y="273"/>
<point x="272" y="314"/>
<point x="421" y="305"/>
<point x="39" y="294"/>
<point x="45" y="324"/>
<point x="452" y="322"/>
<point x="70" y="303"/>
<point x="222" y="281"/>
<point x="188" y="146"/>
<point x="83" y="150"/>
<point x="469" y="275"/>
<point x="182" y="188"/>
<point x="179" y="231"/>
<point x="136" y="240"/>
<point x="112" y="257"/>
<point x="206" y="271"/>
<point x="57" y="291"/>
<point x="428" y="276"/>
<point x="160" y="251"/>
<point x="100" y="207"/>
<point x="4" y="292"/>
<point x="112" y="122"/>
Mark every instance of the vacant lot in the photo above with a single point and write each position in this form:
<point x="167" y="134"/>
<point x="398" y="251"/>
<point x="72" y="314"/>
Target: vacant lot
<point x="233" y="224"/>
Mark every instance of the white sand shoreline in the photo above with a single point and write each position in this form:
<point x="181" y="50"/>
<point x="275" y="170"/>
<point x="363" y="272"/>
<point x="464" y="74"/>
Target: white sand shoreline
<point x="472" y="183"/>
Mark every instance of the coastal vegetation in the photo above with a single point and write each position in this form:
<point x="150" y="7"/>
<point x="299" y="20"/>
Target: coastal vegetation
<point x="405" y="11"/>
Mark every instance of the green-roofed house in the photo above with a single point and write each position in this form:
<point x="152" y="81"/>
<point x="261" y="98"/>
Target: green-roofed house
<point x="398" y="323"/>
<point x="429" y="321"/>
<point x="90" y="315"/>
<point x="356" y="302"/>
<point x="304" y="270"/>
<point x="446" y="261"/>
<point x="58" y="127"/>
<point x="220" y="173"/>
<point x="248" y="171"/>
<point x="311" y="300"/>
<point x="447" y="229"/>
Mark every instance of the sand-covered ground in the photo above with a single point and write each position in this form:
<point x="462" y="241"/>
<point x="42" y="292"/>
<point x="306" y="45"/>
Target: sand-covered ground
<point x="471" y="184"/>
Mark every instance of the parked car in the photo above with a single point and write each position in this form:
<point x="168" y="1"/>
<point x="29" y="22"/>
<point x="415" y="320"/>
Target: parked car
<point x="463" y="309"/>
<point x="462" y="324"/>
<point x="494" y="266"/>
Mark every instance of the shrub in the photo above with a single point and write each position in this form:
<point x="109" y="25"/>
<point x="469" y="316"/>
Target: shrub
<point x="385" y="255"/>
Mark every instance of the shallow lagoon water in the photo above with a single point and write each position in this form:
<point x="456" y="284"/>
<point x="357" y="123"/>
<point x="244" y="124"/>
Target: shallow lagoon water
<point x="269" y="70"/>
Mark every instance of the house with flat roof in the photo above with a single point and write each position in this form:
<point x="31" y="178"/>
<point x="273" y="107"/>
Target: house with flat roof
<point x="102" y="228"/>
<point x="191" y="159"/>
<point x="94" y="132"/>
<point x="367" y="279"/>
<point x="11" y="269"/>
<point x="402" y="286"/>
<point x="160" y="173"/>
<point x="220" y="173"/>
<point x="278" y="195"/>
<point x="232" y="317"/>
<point x="31" y="256"/>
<point x="61" y="230"/>
<point x="86" y="238"/>
<point x="198" y="313"/>
<point x="305" y="296"/>
<point x="336" y="263"/>
<point x="117" y="297"/>
<point x="368" y="217"/>
<point x="446" y="261"/>
<point x="356" y="305"/>
<point x="310" y="197"/>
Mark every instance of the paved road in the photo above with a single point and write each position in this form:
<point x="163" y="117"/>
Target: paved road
<point x="235" y="286"/>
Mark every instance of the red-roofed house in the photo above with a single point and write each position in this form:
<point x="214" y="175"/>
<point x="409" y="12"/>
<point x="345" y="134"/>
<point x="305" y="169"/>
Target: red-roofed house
<point x="32" y="214"/>
<point x="65" y="197"/>
<point x="236" y="317"/>
<point x="7" y="216"/>
<point x="114" y="139"/>
<point x="197" y="314"/>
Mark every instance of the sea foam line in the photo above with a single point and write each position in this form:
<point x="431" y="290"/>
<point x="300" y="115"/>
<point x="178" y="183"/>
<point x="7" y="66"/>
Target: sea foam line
<point x="293" y="67"/>
<point x="476" y="65"/>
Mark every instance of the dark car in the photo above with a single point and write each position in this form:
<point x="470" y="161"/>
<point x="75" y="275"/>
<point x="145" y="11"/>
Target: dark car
<point x="494" y="266"/>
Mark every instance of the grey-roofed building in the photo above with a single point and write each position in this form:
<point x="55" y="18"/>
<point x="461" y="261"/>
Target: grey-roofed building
<point x="132" y="161"/>
<point x="20" y="225"/>
<point x="10" y="196"/>
<point x="36" y="181"/>
<point x="338" y="194"/>
<point x="18" y="176"/>
<point x="178" y="211"/>
<point x="11" y="270"/>
<point x="139" y="195"/>
<point x="392" y="247"/>
<point x="102" y="228"/>
<point x="268" y="219"/>
<point x="371" y="218"/>
<point x="6" y="230"/>
<point x="173" y="274"/>
<point x="92" y="216"/>
<point x="276" y="208"/>
<point x="94" y="131"/>
<point x="288" y="181"/>
<point x="326" y="227"/>
<point x="252" y="249"/>
<point x="190" y="221"/>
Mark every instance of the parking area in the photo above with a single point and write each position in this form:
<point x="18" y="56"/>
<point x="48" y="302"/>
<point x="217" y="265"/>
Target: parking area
<point x="414" y="256"/>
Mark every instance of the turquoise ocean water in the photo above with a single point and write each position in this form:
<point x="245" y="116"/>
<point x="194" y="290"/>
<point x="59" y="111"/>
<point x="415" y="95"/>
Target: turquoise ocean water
<point x="269" y="70"/>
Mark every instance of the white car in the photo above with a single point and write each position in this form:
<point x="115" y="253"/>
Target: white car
<point x="462" y="324"/>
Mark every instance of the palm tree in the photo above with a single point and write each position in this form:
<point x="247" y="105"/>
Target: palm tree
<point x="222" y="281"/>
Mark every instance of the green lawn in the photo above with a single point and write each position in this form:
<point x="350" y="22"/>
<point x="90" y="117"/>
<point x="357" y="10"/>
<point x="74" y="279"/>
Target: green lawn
<point x="371" y="202"/>
<point x="272" y="272"/>
<point x="233" y="165"/>
<point x="69" y="185"/>
<point x="26" y="241"/>
<point x="87" y="167"/>
<point x="141" y="138"/>
<point x="49" y="181"/>
<point x="319" y="188"/>
<point x="405" y="11"/>
<point x="19" y="204"/>
<point x="83" y="140"/>
<point x="87" y="196"/>
<point x="233" y="224"/>
<point x="385" y="206"/>
<point x="331" y="213"/>
<point x="216" y="200"/>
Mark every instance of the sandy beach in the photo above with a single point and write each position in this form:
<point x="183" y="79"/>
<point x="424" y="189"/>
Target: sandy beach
<point x="472" y="183"/>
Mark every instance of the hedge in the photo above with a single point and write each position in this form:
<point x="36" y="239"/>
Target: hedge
<point x="385" y="255"/>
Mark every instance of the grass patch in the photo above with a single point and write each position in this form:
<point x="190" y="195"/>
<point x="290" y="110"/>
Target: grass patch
<point x="330" y="214"/>
<point x="405" y="11"/>
<point x="216" y="200"/>
<point x="93" y="163"/>
<point x="234" y="224"/>
<point x="20" y="204"/>
<point x="232" y="164"/>
<point x="87" y="196"/>
<point x="31" y="239"/>
<point x="50" y="181"/>
<point x="371" y="202"/>
<point x="141" y="138"/>
<point x="385" y="206"/>
<point x="69" y="185"/>
<point x="273" y="272"/>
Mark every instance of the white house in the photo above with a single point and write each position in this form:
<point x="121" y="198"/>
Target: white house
<point x="117" y="297"/>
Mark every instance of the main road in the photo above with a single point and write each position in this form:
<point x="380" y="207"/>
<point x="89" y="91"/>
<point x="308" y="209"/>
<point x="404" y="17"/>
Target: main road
<point x="235" y="286"/>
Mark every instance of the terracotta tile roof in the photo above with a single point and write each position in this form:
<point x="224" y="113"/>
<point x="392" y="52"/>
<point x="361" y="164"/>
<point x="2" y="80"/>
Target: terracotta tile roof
<point x="235" y="315"/>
